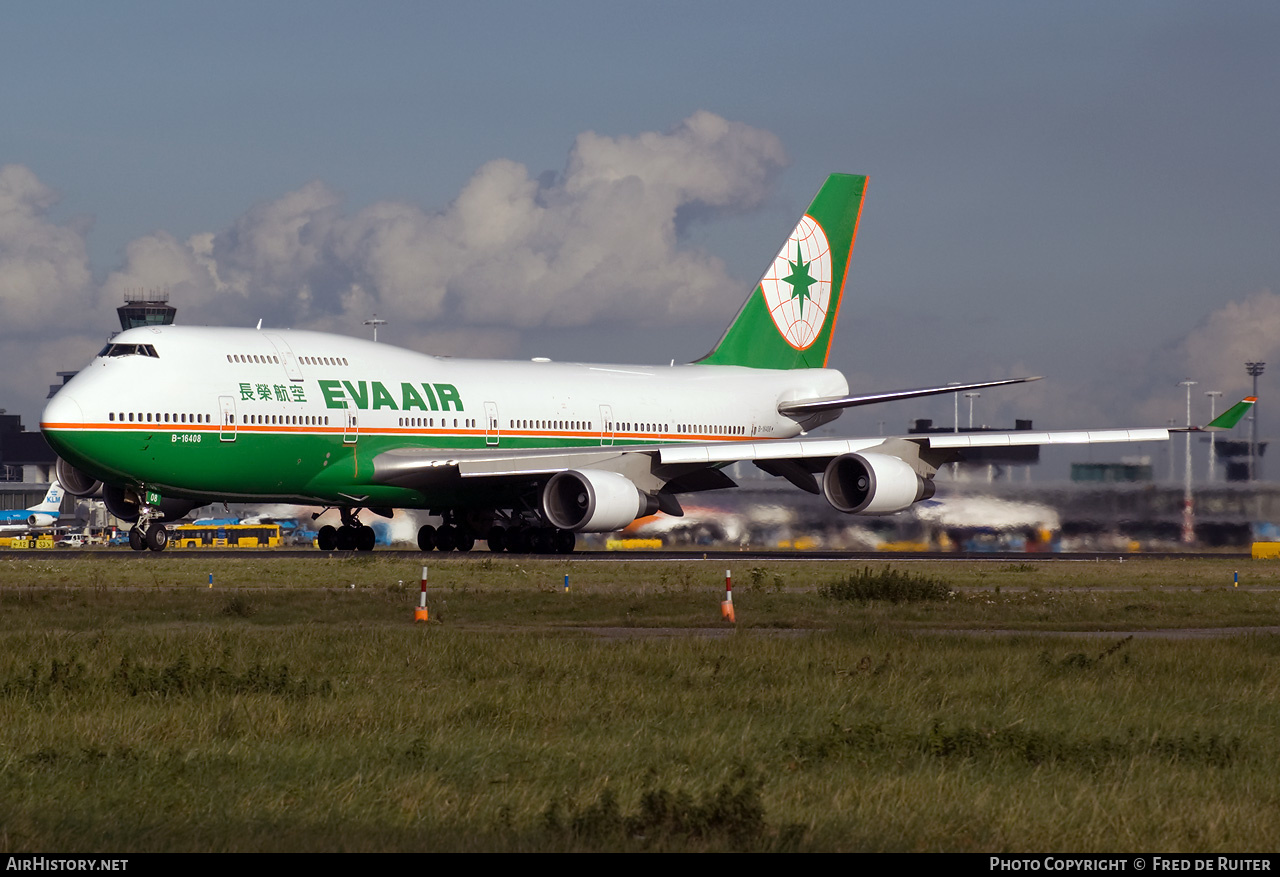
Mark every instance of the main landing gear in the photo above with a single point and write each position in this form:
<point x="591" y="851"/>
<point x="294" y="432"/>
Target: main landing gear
<point x="458" y="531"/>
<point x="518" y="537"/>
<point x="446" y="537"/>
<point x="534" y="539"/>
<point x="351" y="536"/>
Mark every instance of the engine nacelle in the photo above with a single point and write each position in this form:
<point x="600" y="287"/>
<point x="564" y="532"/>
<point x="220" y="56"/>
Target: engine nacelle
<point x="873" y="484"/>
<point x="594" y="501"/>
<point x="39" y="520"/>
<point x="117" y="505"/>
<point x="74" y="481"/>
<point x="126" y="509"/>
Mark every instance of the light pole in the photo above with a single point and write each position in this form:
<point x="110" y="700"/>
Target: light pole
<point x="955" y="467"/>
<point x="375" y="323"/>
<point x="1188" y="516"/>
<point x="971" y="397"/>
<point x="1213" y="436"/>
<point x="1254" y="369"/>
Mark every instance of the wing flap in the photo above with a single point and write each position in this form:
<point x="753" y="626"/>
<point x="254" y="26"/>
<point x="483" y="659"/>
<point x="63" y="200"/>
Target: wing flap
<point x="782" y="449"/>
<point x="1061" y="437"/>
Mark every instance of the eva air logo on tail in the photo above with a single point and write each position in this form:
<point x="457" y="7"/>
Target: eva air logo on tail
<point x="797" y="286"/>
<point x="788" y="319"/>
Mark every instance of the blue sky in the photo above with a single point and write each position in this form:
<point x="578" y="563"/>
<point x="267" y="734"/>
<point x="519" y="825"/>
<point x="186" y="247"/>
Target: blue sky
<point x="1085" y="190"/>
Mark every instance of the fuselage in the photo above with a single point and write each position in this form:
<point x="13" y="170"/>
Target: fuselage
<point x="295" y="416"/>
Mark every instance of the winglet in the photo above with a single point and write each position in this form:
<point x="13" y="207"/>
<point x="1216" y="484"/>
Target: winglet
<point x="1232" y="415"/>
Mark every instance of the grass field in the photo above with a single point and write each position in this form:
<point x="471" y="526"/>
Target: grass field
<point x="285" y="709"/>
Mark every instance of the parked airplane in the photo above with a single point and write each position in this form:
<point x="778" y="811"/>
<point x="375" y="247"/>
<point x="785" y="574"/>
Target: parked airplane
<point x="523" y="454"/>
<point x="45" y="514"/>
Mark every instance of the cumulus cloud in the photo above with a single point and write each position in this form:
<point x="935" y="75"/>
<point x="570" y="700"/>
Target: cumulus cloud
<point x="1213" y="354"/>
<point x="1242" y="331"/>
<point x="600" y="241"/>
<point x="44" y="268"/>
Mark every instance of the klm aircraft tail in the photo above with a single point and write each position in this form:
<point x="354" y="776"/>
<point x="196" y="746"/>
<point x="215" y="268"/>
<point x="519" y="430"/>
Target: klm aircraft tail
<point x="788" y="319"/>
<point x="52" y="499"/>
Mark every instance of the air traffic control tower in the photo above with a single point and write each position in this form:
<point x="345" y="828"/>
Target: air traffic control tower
<point x="146" y="308"/>
<point x="142" y="307"/>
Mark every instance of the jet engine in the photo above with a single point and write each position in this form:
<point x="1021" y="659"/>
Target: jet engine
<point x="74" y="481"/>
<point x="38" y="520"/>
<point x="594" y="501"/>
<point x="873" y="484"/>
<point x="123" y="507"/>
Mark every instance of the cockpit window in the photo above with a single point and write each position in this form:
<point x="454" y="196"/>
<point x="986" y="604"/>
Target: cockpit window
<point x="129" y="350"/>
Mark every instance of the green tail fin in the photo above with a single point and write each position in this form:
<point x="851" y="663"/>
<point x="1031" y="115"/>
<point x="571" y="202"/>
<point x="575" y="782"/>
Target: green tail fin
<point x="788" y="319"/>
<point x="1232" y="415"/>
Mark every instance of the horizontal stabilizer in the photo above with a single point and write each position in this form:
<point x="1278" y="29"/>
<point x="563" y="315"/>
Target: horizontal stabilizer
<point x="805" y="407"/>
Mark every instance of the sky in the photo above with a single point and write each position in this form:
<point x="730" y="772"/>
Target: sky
<point x="1085" y="191"/>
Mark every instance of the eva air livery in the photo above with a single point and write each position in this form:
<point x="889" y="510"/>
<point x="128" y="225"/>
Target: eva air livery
<point x="522" y="454"/>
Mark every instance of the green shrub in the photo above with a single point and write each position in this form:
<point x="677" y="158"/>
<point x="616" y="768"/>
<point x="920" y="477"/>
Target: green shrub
<point x="887" y="584"/>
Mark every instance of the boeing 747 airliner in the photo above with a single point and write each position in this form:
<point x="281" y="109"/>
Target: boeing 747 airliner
<point x="521" y="454"/>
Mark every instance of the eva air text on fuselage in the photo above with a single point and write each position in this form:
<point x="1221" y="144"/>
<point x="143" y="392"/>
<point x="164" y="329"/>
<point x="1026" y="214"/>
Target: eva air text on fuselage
<point x="372" y="395"/>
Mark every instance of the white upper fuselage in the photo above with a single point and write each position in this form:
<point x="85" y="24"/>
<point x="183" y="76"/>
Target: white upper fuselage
<point x="296" y="384"/>
<point x="194" y="367"/>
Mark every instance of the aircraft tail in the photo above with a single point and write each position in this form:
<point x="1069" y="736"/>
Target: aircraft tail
<point x="52" y="499"/>
<point x="790" y="315"/>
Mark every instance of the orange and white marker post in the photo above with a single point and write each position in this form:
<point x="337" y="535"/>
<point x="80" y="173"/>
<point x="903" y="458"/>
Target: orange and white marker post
<point x="420" y="614"/>
<point x="726" y="605"/>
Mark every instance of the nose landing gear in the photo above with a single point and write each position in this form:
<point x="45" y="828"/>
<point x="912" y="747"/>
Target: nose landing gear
<point x="148" y="533"/>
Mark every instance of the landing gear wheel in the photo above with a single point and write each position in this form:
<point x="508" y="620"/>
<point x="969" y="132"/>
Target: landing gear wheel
<point x="465" y="539"/>
<point x="540" y="543"/>
<point x="446" y="537"/>
<point x="137" y="541"/>
<point x="157" y="537"/>
<point x="346" y="538"/>
<point x="497" y="539"/>
<point x="365" y="538"/>
<point x="565" y="540"/>
<point x="327" y="538"/>
<point x="426" y="538"/>
<point x="518" y="540"/>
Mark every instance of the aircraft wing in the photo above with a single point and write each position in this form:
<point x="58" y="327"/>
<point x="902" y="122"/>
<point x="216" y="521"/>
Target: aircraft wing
<point x="829" y="448"/>
<point x="665" y="470"/>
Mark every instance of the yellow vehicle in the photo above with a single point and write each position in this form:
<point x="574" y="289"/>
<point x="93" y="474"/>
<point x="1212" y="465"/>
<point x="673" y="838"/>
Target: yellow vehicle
<point x="226" y="536"/>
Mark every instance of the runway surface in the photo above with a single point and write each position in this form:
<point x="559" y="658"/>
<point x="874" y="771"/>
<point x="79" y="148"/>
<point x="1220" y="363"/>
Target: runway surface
<point x="630" y="556"/>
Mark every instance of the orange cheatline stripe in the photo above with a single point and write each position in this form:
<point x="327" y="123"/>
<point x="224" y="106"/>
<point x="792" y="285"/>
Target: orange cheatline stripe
<point x="847" y="263"/>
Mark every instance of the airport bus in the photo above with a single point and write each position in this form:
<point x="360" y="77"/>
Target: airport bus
<point x="227" y="536"/>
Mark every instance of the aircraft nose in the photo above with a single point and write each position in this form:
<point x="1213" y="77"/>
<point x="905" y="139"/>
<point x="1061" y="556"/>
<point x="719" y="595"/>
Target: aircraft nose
<point x="62" y="410"/>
